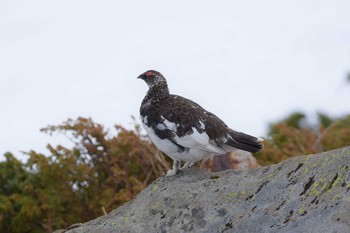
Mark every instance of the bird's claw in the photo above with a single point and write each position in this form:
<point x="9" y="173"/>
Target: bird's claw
<point x="171" y="172"/>
<point x="186" y="165"/>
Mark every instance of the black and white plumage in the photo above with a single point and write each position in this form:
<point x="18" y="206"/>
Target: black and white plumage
<point x="184" y="130"/>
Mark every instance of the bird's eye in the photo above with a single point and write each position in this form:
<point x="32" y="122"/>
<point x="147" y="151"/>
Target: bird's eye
<point x="149" y="73"/>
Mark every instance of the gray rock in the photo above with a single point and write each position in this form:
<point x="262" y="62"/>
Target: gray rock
<point x="303" y="194"/>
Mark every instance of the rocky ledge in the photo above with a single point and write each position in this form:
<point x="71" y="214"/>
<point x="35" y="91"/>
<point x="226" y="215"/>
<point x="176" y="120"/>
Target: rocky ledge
<point x="303" y="194"/>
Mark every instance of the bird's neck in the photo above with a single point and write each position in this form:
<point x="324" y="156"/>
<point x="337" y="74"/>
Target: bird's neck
<point x="156" y="93"/>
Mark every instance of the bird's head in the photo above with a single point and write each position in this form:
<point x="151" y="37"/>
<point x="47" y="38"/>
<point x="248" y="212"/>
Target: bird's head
<point x="152" y="77"/>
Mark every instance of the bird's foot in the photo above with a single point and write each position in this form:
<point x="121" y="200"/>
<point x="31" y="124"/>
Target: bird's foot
<point x="175" y="170"/>
<point x="187" y="165"/>
<point x="171" y="172"/>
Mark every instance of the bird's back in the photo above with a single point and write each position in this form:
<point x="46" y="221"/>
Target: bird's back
<point x="186" y="116"/>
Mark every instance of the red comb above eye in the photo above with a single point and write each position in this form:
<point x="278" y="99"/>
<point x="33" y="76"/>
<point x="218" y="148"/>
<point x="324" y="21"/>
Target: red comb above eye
<point x="149" y="73"/>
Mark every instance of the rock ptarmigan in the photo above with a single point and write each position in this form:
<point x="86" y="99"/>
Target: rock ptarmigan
<point x="184" y="130"/>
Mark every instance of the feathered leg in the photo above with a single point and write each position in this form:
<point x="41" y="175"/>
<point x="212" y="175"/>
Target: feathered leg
<point x="175" y="170"/>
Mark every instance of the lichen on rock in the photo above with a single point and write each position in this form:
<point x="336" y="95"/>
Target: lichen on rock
<point x="303" y="194"/>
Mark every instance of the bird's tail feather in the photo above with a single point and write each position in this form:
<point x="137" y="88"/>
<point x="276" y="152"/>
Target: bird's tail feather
<point x="244" y="141"/>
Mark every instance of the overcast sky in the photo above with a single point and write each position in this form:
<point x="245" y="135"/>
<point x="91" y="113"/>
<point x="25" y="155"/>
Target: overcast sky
<point x="249" y="62"/>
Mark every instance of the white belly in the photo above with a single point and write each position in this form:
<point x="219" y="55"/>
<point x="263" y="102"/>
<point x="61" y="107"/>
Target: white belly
<point x="197" y="146"/>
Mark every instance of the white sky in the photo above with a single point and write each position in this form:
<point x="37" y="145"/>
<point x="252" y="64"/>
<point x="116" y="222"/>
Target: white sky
<point x="249" y="62"/>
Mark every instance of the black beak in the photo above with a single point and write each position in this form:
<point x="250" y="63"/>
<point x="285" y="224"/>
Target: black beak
<point x="141" y="76"/>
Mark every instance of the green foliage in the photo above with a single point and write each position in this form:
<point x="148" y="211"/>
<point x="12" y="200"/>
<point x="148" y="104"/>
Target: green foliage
<point x="324" y="120"/>
<point x="73" y="185"/>
<point x="295" y="120"/>
<point x="336" y="135"/>
<point x="294" y="136"/>
<point x="12" y="181"/>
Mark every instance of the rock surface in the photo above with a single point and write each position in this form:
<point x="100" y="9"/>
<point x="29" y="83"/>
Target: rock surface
<point x="303" y="194"/>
